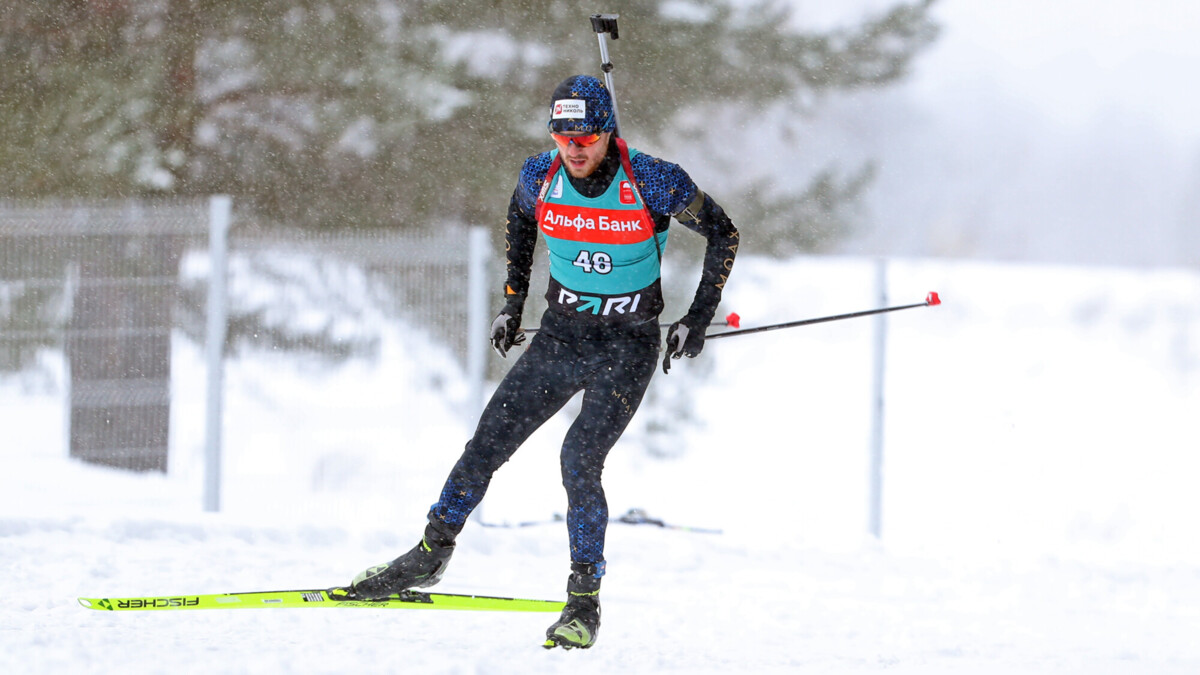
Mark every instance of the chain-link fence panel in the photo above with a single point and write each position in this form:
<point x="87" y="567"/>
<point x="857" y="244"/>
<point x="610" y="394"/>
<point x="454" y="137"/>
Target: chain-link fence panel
<point x="99" y="281"/>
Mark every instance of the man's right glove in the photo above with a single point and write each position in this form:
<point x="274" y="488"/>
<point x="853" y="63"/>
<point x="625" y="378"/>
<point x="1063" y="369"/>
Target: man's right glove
<point x="506" y="330"/>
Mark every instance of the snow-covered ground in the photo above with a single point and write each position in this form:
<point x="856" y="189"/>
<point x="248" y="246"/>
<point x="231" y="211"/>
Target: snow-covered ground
<point x="1039" y="498"/>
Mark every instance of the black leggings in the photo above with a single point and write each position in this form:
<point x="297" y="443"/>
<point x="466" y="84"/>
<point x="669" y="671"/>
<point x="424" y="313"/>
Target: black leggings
<point x="613" y="374"/>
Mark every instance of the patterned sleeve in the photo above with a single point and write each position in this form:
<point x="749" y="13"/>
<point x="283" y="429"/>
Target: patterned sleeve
<point x="666" y="187"/>
<point x="533" y="174"/>
<point x="520" y="229"/>
<point x="669" y="190"/>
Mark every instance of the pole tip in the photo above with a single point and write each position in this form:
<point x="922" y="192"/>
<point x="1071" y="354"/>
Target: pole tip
<point x="933" y="299"/>
<point x="734" y="320"/>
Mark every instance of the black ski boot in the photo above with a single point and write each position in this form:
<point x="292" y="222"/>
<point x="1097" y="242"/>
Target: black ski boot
<point x="580" y="620"/>
<point x="421" y="567"/>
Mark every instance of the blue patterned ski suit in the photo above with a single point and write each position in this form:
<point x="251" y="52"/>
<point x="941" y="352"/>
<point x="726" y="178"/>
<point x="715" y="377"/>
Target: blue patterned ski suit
<point x="605" y="236"/>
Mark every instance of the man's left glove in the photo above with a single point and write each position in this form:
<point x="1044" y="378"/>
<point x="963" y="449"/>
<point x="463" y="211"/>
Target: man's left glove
<point x="506" y="330"/>
<point x="683" y="339"/>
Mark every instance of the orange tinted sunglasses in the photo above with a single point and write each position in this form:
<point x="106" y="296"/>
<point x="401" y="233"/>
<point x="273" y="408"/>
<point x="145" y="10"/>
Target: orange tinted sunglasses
<point x="582" y="141"/>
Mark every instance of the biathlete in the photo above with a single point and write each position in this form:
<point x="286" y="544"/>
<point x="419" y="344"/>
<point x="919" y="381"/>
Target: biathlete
<point x="603" y="210"/>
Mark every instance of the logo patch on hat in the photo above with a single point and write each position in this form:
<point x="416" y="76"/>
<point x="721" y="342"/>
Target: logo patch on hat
<point x="569" y="109"/>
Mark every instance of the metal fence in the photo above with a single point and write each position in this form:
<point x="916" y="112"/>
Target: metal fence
<point x="99" y="281"/>
<point x="109" y="285"/>
<point x="417" y="276"/>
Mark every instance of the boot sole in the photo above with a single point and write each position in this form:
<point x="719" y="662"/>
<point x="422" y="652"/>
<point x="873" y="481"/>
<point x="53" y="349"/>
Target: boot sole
<point x="551" y="643"/>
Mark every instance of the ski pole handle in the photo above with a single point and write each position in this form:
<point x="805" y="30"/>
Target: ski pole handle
<point x="603" y="24"/>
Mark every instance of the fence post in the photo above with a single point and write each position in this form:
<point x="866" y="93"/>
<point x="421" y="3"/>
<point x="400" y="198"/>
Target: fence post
<point x="477" y="327"/>
<point x="220" y="208"/>
<point x="875" y="512"/>
<point x="477" y="317"/>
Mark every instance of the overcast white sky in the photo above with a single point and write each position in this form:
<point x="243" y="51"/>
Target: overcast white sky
<point x="1071" y="59"/>
<point x="1074" y="60"/>
<point x="1059" y="131"/>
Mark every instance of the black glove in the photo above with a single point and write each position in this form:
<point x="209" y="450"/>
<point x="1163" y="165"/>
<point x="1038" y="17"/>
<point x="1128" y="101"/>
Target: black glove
<point x="683" y="339"/>
<point x="506" y="330"/>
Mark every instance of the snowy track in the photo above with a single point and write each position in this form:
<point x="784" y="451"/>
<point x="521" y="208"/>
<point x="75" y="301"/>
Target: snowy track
<point x="682" y="602"/>
<point x="1039" y="501"/>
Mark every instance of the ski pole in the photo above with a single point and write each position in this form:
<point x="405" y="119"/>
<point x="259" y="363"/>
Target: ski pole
<point x="732" y="319"/>
<point x="632" y="517"/>
<point x="930" y="300"/>
<point x="603" y="24"/>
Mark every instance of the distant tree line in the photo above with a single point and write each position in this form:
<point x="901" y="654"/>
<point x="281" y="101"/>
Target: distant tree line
<point x="387" y="113"/>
